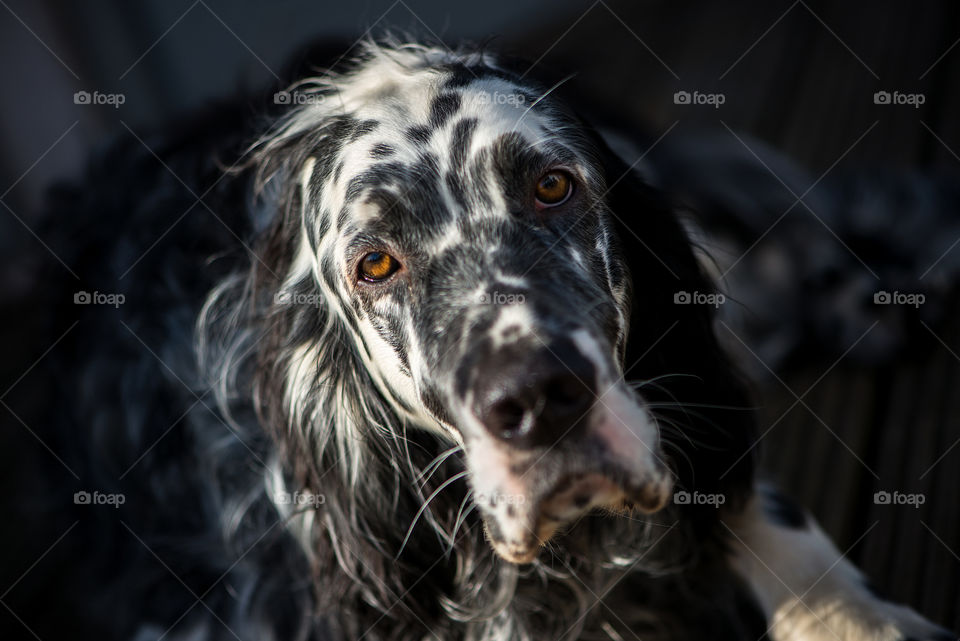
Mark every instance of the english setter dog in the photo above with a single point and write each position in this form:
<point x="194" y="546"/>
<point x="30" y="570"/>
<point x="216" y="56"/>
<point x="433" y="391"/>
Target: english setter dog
<point x="408" y="366"/>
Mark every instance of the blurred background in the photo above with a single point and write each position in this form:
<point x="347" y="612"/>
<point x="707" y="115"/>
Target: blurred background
<point x="816" y="142"/>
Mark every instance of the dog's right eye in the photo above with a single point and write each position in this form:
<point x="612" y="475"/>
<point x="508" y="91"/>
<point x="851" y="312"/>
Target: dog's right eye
<point x="378" y="266"/>
<point x="553" y="188"/>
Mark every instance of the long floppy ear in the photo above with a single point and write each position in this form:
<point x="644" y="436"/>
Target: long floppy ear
<point x="696" y="393"/>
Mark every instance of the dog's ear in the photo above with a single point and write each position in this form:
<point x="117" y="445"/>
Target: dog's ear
<point x="695" y="391"/>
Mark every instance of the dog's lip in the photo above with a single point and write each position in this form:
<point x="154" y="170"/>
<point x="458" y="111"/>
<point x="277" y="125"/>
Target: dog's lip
<point x="572" y="497"/>
<point x="597" y="489"/>
<point x="569" y="499"/>
<point x="580" y="489"/>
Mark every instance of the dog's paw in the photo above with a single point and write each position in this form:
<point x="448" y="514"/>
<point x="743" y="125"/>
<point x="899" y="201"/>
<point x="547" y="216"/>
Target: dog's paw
<point x="853" y="618"/>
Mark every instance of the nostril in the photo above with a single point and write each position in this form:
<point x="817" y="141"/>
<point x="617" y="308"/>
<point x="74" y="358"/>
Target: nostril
<point x="509" y="417"/>
<point x="566" y="393"/>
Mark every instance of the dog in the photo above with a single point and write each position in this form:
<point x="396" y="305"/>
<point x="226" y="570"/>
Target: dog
<point x="411" y="366"/>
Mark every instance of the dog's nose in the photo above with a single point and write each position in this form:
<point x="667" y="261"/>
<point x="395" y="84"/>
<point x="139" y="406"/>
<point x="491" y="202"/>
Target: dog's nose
<point x="534" y="397"/>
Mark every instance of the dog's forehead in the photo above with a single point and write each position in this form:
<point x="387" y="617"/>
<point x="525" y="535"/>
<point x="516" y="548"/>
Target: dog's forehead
<point x="413" y="113"/>
<point x="419" y="145"/>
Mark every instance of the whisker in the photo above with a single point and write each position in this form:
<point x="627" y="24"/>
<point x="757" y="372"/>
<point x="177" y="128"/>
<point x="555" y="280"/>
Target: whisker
<point x="461" y="519"/>
<point x="435" y="464"/>
<point x="423" y="508"/>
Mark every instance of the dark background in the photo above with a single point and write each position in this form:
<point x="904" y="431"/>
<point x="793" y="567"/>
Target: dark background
<point x="798" y="77"/>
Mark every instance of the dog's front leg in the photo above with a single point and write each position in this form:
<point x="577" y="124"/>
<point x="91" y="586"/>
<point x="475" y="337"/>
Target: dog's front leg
<point x="807" y="590"/>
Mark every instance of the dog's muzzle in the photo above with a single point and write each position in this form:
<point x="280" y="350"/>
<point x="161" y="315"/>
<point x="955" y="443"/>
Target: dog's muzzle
<point x="554" y="439"/>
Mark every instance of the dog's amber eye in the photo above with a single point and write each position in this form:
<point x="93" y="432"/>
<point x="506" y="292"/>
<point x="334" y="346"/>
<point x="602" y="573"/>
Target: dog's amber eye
<point x="377" y="266"/>
<point x="554" y="188"/>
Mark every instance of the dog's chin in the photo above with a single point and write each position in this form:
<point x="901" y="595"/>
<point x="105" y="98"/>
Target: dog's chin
<point x="519" y="538"/>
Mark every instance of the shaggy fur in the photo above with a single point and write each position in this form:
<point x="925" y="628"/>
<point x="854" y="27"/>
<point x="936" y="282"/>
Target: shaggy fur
<point x="298" y="451"/>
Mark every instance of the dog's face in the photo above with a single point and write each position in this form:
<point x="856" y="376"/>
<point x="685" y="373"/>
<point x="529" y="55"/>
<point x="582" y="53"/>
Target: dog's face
<point x="459" y="223"/>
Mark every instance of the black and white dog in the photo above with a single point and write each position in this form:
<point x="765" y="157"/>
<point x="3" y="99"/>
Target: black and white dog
<point x="372" y="382"/>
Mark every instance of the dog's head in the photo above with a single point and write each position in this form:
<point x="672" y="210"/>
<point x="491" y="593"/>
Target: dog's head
<point x="462" y="224"/>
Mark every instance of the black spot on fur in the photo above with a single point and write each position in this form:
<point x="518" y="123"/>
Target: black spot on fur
<point x="379" y="175"/>
<point x="443" y="108"/>
<point x="323" y="227"/>
<point x="462" y="135"/>
<point x="455" y="186"/>
<point x="382" y="150"/>
<point x="328" y="271"/>
<point x="363" y="128"/>
<point x="418" y="135"/>
<point x="343" y="216"/>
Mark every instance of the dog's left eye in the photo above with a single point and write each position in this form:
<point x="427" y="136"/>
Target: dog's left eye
<point x="378" y="266"/>
<point x="554" y="188"/>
